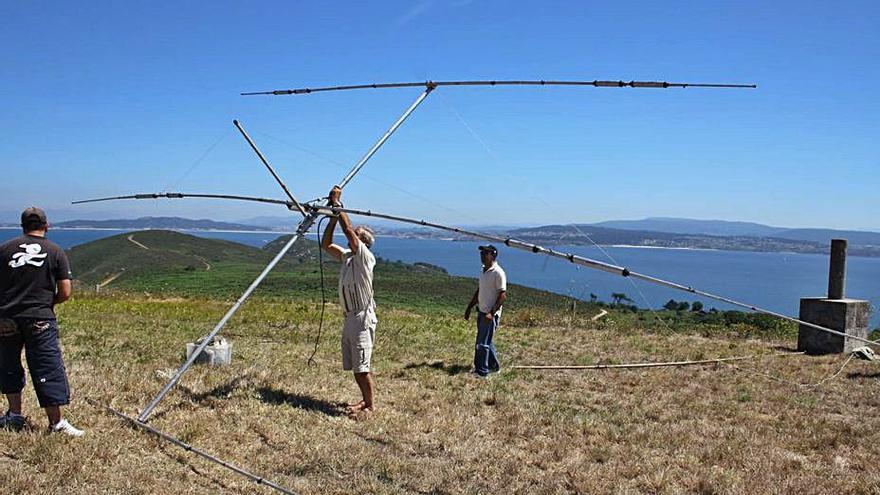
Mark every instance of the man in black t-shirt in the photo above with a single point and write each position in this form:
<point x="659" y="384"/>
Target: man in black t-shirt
<point x="34" y="277"/>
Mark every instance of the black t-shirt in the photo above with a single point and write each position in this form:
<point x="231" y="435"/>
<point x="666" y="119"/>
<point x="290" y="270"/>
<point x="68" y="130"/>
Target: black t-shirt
<point x="30" y="267"/>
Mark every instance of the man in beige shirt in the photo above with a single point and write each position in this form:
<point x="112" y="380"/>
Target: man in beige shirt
<point x="356" y="299"/>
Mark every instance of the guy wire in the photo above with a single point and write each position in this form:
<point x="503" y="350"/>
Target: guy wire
<point x="199" y="160"/>
<point x="494" y="158"/>
<point x="381" y="182"/>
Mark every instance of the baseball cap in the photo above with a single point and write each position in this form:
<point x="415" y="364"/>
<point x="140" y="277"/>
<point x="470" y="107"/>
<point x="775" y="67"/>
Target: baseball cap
<point x="490" y="248"/>
<point x="33" y="215"/>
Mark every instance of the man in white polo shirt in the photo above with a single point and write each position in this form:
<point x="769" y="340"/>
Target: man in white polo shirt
<point x="488" y="298"/>
<point x="356" y="299"/>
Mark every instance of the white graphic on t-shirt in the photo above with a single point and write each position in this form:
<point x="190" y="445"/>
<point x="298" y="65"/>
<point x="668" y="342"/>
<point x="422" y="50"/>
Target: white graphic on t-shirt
<point x="31" y="253"/>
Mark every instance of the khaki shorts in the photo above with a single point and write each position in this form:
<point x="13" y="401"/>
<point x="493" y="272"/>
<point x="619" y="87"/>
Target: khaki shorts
<point x="358" y="332"/>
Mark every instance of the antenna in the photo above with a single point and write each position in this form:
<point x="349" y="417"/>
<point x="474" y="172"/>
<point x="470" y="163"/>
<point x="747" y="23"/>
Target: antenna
<point x="271" y="170"/>
<point x="540" y="82"/>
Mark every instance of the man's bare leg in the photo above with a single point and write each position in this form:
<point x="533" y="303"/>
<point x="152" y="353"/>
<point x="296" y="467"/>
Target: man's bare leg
<point x="365" y="383"/>
<point x="14" y="401"/>
<point x="54" y="415"/>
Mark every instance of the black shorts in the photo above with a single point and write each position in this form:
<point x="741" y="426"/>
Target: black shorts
<point x="39" y="338"/>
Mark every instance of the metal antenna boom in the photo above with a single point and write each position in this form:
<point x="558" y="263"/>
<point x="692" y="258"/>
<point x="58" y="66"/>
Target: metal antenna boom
<point x="305" y="224"/>
<point x="271" y="170"/>
<point x="145" y="414"/>
<point x="387" y="135"/>
<point x="540" y="82"/>
<point x="201" y="453"/>
<point x="178" y="195"/>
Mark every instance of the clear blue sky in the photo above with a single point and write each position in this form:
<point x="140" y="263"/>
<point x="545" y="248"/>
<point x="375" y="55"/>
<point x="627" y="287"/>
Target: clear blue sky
<point x="107" y="98"/>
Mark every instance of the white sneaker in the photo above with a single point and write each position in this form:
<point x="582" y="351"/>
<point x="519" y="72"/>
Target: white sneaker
<point x="64" y="427"/>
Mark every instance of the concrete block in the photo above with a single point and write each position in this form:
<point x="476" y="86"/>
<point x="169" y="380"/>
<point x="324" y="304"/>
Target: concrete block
<point x="217" y="353"/>
<point x="844" y="315"/>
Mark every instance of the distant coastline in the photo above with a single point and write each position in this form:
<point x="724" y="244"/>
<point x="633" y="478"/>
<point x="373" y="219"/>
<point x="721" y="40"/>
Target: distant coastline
<point x="658" y="233"/>
<point x="140" y="229"/>
<point x="631" y="246"/>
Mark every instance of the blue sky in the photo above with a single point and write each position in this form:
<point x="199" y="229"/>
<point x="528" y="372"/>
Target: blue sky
<point x="107" y="98"/>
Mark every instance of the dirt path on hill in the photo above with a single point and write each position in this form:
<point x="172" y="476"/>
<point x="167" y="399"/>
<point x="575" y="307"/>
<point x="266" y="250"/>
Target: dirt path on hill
<point x="136" y="243"/>
<point x="110" y="279"/>
<point x="203" y="260"/>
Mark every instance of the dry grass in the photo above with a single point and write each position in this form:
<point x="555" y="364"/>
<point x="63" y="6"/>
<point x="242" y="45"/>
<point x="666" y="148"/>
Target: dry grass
<point x="712" y="429"/>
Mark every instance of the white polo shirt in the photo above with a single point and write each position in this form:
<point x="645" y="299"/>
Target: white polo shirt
<point x="356" y="280"/>
<point x="492" y="282"/>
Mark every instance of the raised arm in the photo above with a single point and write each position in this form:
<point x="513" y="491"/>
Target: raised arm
<point x="327" y="241"/>
<point x="344" y="221"/>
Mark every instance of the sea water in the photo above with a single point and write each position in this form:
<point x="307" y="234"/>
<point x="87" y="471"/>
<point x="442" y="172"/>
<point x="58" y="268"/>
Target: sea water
<point x="775" y="281"/>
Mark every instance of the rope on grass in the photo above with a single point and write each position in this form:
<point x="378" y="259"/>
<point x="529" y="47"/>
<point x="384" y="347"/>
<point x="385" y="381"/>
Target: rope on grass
<point x="768" y="376"/>
<point x="655" y="365"/>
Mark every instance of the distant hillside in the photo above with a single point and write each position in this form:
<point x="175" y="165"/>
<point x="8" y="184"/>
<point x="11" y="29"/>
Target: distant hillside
<point x="824" y="236"/>
<point x="269" y="222"/>
<point x="180" y="264"/>
<point x="127" y="256"/>
<point x="691" y="226"/>
<point x="743" y="229"/>
<point x="155" y="223"/>
<point x="588" y="234"/>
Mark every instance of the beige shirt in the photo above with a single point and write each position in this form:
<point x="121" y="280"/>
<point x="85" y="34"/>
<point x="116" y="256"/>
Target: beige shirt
<point x="356" y="280"/>
<point x="492" y="282"/>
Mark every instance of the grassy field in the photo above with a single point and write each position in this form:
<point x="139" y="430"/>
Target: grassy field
<point x="711" y="429"/>
<point x="757" y="427"/>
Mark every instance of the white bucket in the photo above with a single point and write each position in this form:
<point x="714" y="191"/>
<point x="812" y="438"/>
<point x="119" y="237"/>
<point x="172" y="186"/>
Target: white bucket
<point x="217" y="353"/>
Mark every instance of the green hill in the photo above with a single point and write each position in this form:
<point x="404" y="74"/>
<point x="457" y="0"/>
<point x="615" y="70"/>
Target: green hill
<point x="173" y="263"/>
<point x="142" y="254"/>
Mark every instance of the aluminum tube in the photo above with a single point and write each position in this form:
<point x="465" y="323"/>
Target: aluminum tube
<point x="578" y="260"/>
<point x="304" y="226"/>
<point x="271" y="170"/>
<point x="288" y="204"/>
<point x="189" y="448"/>
<point x="97" y="200"/>
<point x="525" y="246"/>
<point x="177" y="195"/>
<point x="539" y="82"/>
<point x="385" y="137"/>
<point x="651" y="365"/>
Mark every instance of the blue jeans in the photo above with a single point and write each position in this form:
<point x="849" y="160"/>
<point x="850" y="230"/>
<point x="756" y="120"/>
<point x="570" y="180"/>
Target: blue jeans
<point x="485" y="356"/>
<point x="39" y="338"/>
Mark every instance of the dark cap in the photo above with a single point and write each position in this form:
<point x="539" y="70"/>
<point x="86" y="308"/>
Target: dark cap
<point x="33" y="215"/>
<point x="490" y="248"/>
